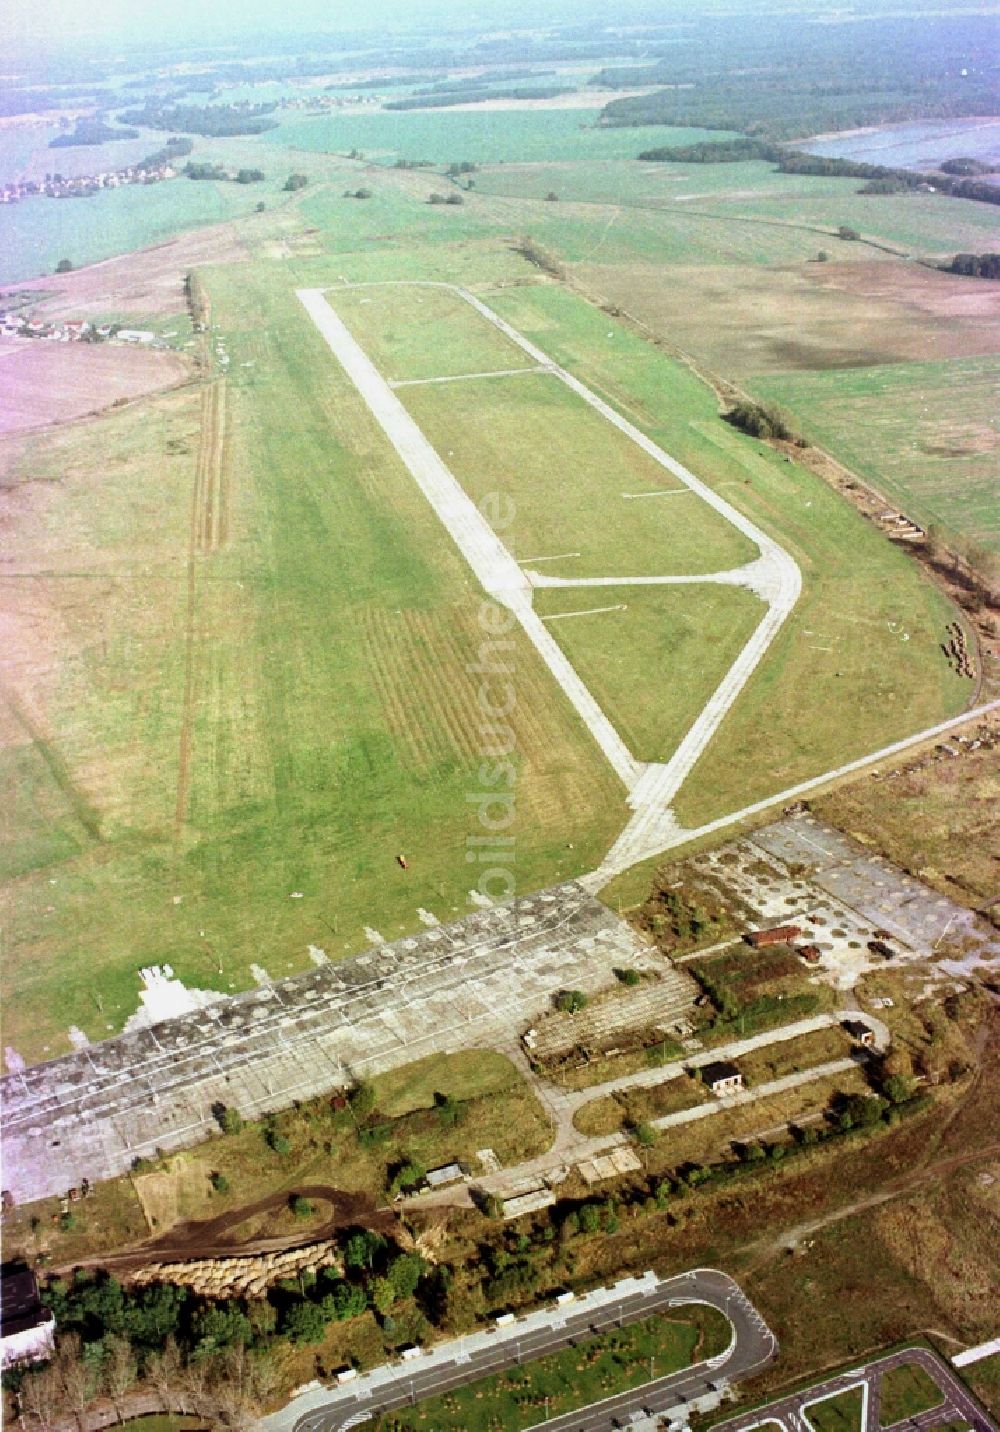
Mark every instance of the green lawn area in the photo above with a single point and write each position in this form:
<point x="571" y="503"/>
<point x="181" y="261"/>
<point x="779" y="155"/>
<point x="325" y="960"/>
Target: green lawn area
<point x="286" y="724"/>
<point x="984" y="1379"/>
<point x="654" y="658"/>
<point x="837" y="1414"/>
<point x="923" y="433"/>
<point x="596" y="1368"/>
<point x="417" y="332"/>
<point x="567" y="471"/>
<point x="907" y="1391"/>
<point x="479" y="137"/>
<point x="471" y="1074"/>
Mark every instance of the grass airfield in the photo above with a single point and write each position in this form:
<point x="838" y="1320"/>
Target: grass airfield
<point x="221" y="742"/>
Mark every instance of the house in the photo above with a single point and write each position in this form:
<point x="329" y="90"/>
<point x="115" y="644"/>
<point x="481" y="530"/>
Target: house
<point x="721" y="1077"/>
<point x="860" y="1033"/>
<point x="776" y="935"/>
<point x="27" y="1329"/>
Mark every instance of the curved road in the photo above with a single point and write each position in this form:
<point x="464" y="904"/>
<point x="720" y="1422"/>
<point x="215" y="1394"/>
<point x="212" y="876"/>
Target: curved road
<point x="463" y="1360"/>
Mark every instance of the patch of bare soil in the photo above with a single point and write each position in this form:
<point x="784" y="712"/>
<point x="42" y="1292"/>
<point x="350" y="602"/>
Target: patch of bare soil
<point x="249" y="1230"/>
<point x="147" y="281"/>
<point x="807" y="316"/>
<point x="44" y="382"/>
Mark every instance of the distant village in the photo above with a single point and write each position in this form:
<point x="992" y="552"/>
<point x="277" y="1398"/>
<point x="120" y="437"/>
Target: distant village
<point x="55" y="186"/>
<point x="21" y="325"/>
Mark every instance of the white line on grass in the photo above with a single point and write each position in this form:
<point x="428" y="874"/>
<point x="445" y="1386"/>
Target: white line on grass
<point x="557" y="557"/>
<point x="589" y="612"/>
<point x="463" y="377"/>
<point x="661" y="492"/>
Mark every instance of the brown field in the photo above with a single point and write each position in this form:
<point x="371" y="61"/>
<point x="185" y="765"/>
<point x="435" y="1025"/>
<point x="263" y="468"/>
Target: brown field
<point x="147" y="281"/>
<point x="42" y="383"/>
<point x="813" y="315"/>
<point x="937" y="817"/>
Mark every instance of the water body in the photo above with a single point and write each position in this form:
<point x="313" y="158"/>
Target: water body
<point x="920" y="144"/>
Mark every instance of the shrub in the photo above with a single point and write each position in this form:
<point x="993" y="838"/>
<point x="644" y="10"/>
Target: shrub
<point x="628" y="977"/>
<point x="571" y="1001"/>
<point x="64" y="266"/>
<point x="229" y="1120"/>
<point x="300" y="1206"/>
<point x="277" y="1141"/>
<point x="220" y="1183"/>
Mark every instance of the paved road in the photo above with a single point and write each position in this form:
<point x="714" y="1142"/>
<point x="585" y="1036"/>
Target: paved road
<point x="454" y="1364"/>
<point x="791" y="1413"/>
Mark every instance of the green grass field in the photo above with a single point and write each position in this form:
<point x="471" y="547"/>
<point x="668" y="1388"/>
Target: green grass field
<point x="567" y="472"/>
<point x="864" y="636"/>
<point x="924" y="434"/>
<point x="655" y="658"/>
<point x="906" y="1392"/>
<point x="594" y="1369"/>
<point x="479" y="137"/>
<point x="287" y="723"/>
<point x="837" y="1414"/>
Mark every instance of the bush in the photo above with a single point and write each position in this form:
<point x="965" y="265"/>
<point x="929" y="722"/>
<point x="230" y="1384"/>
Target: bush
<point x="64" y="266"/>
<point x="760" y="420"/>
<point x="295" y="181"/>
<point x="300" y="1206"/>
<point x="362" y="1099"/>
<point x="229" y="1120"/>
<point x="220" y="1183"/>
<point x="645" y="1135"/>
<point x="305" y="1322"/>
<point x="628" y="977"/>
<point x="571" y="1001"/>
<point x="277" y="1141"/>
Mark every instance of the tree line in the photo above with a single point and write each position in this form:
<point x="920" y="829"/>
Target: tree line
<point x="881" y="179"/>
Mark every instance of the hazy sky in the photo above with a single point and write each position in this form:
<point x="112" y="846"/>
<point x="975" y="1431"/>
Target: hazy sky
<point x="61" y="20"/>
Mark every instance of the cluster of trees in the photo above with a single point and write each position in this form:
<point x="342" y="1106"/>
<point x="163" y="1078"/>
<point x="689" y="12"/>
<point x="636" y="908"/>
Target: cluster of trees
<point x="453" y="198"/>
<point x="91" y="131"/>
<point x="967" y="168"/>
<point x="675" y="919"/>
<point x="294" y="182"/>
<point x="529" y="249"/>
<point x="975" y="265"/>
<point x="177" y="147"/>
<point x="112" y="1341"/>
<point x="217" y="121"/>
<point x="195" y="170"/>
<point x="761" y="420"/>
